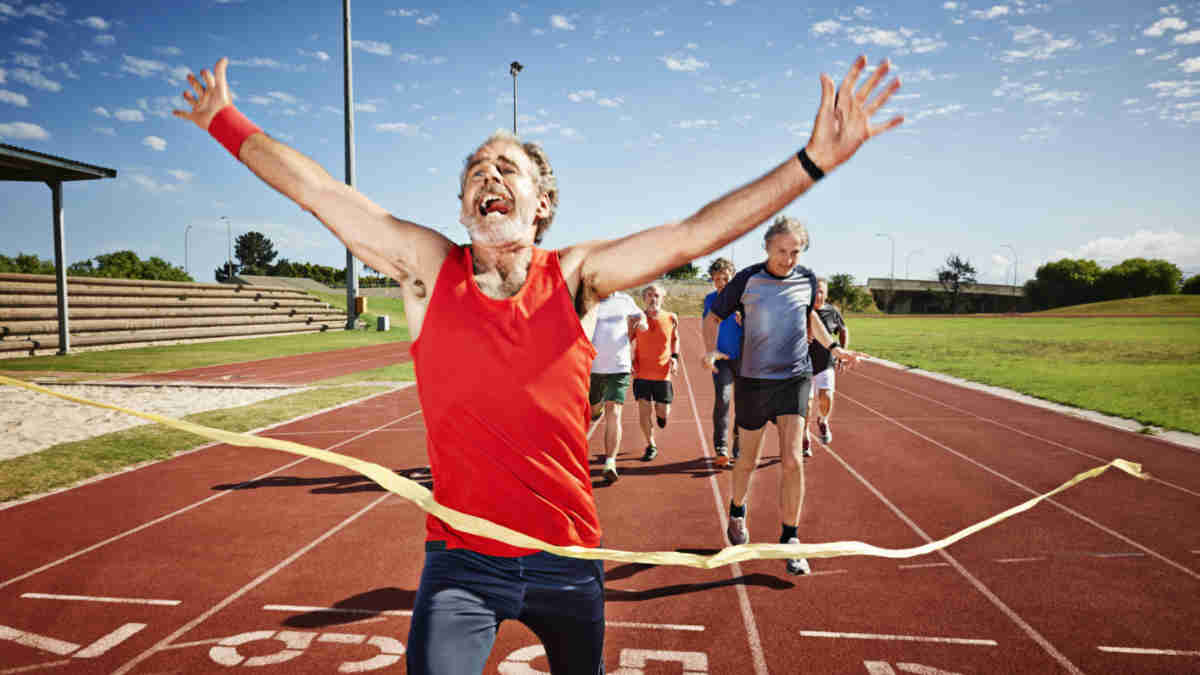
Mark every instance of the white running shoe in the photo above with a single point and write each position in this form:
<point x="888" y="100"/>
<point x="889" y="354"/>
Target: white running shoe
<point x="797" y="565"/>
<point x="738" y="532"/>
<point x="610" y="470"/>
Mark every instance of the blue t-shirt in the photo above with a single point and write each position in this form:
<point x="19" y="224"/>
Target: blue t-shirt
<point x="729" y="337"/>
<point x="774" y="320"/>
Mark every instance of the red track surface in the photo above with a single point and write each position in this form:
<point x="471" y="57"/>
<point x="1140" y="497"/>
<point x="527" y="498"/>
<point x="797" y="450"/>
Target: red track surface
<point x="297" y="370"/>
<point x="250" y="548"/>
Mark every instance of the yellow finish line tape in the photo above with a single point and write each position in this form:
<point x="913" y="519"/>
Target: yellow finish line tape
<point x="423" y="498"/>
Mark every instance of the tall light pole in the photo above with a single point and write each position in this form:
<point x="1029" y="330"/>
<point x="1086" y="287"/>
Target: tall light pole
<point x="185" y="249"/>
<point x="892" y="278"/>
<point x="907" y="258"/>
<point x="348" y="103"/>
<point x="229" y="260"/>
<point x="1014" y="252"/>
<point x="514" y="68"/>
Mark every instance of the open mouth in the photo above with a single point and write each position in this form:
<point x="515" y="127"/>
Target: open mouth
<point x="494" y="205"/>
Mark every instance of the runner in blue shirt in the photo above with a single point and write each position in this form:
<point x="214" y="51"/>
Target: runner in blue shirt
<point x="729" y="343"/>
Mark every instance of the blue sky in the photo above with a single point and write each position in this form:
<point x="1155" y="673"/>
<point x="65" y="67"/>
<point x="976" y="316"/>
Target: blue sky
<point x="1034" y="130"/>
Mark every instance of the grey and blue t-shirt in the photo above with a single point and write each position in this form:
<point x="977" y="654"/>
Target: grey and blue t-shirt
<point x="774" y="320"/>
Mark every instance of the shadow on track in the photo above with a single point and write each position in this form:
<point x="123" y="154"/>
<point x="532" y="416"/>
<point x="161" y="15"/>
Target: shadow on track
<point x="356" y="608"/>
<point x="630" y="569"/>
<point x="331" y="485"/>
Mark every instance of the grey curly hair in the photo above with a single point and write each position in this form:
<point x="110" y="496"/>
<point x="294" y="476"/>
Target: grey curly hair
<point x="546" y="182"/>
<point x="789" y="225"/>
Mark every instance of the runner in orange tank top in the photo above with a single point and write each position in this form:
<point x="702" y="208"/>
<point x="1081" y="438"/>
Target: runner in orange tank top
<point x="655" y="360"/>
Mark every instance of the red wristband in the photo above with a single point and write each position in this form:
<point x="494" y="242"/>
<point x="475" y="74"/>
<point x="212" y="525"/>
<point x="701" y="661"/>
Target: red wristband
<point x="231" y="128"/>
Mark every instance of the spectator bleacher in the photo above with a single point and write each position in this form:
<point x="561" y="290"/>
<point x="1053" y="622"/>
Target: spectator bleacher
<point x="114" y="313"/>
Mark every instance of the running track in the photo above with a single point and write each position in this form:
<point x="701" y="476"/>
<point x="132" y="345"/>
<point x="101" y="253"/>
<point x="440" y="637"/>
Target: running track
<point x="239" y="560"/>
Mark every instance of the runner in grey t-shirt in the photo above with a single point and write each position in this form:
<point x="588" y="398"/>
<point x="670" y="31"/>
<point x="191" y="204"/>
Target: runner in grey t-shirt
<point x="775" y="375"/>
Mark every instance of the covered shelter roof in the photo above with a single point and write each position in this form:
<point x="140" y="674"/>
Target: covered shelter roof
<point x="22" y="164"/>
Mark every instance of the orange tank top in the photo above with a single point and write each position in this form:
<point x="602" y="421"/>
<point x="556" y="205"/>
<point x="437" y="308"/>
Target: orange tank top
<point x="652" y="360"/>
<point x="503" y="386"/>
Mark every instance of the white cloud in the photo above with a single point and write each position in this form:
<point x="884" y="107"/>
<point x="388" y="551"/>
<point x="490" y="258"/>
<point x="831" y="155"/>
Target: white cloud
<point x="262" y="62"/>
<point x="862" y="12"/>
<point x="580" y="96"/>
<point x="373" y="47"/>
<point x="428" y="20"/>
<point x="1189" y="38"/>
<point x="3" y="75"/>
<point x="696" y="124"/>
<point x="1055" y="97"/>
<point x="129" y="115"/>
<point x="659" y="33"/>
<point x="155" y="143"/>
<point x="1042" y="45"/>
<point x="1191" y="65"/>
<point x="614" y="102"/>
<point x="943" y="111"/>
<point x="1163" y="25"/>
<point x="13" y="98"/>
<point x="949" y="5"/>
<point x="991" y="13"/>
<point x="862" y="35"/>
<point x="514" y="18"/>
<point x="402" y="12"/>
<point x="50" y="11"/>
<point x="1176" y="89"/>
<point x="107" y="131"/>
<point x="365" y="107"/>
<point x="141" y="67"/>
<point x="169" y="50"/>
<point x="101" y="111"/>
<point x="150" y="185"/>
<point x="926" y="45"/>
<point x="560" y="22"/>
<point x="687" y="64"/>
<point x="1169" y="10"/>
<point x="94" y="22"/>
<point x="825" y="27"/>
<point x="105" y="40"/>
<point x="403" y="128"/>
<point x="35" y="79"/>
<point x="1176" y="247"/>
<point x="181" y="175"/>
<point x="23" y="131"/>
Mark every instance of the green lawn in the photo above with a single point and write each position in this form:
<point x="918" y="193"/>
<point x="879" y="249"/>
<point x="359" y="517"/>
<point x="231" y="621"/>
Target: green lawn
<point x="1145" y="369"/>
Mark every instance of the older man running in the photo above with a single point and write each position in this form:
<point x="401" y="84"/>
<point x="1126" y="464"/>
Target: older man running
<point x="774" y="379"/>
<point x="502" y="356"/>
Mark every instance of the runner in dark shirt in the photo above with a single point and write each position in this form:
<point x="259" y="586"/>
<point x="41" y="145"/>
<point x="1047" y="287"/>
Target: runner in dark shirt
<point x="824" y="366"/>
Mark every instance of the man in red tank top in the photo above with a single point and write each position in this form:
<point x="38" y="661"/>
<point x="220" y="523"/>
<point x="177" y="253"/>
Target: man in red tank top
<point x="519" y="456"/>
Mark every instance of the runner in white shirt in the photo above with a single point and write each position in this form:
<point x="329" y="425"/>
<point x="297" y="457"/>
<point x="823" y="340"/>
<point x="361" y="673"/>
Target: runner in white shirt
<point x="617" y="317"/>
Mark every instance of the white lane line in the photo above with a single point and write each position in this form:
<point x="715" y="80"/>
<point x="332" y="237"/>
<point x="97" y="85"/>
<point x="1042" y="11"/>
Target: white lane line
<point x="1148" y="652"/>
<point x="756" y="649"/>
<point x="979" y="586"/>
<point x="197" y="643"/>
<point x="654" y="626"/>
<point x="248" y="587"/>
<point x="40" y="666"/>
<point x="1117" y="555"/>
<point x="924" y="565"/>
<point x="338" y="610"/>
<point x="109" y="641"/>
<point x="1009" y="427"/>
<point x="204" y="501"/>
<point x="1006" y="561"/>
<point x="46" y="644"/>
<point x="90" y="598"/>
<point x="1107" y="530"/>
<point x="905" y="638"/>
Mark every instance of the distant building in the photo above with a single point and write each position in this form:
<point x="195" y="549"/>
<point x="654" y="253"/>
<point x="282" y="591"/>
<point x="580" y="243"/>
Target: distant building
<point x="917" y="296"/>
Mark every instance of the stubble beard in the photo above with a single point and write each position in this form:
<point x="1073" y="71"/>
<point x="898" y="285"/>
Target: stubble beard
<point x="495" y="231"/>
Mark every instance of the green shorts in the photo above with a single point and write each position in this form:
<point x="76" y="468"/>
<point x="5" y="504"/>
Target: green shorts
<point x="608" y="387"/>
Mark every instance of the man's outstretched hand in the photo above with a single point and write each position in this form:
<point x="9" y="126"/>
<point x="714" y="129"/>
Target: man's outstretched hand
<point x="843" y="121"/>
<point x="208" y="96"/>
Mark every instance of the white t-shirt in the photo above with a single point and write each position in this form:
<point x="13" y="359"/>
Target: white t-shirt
<point x="611" y="337"/>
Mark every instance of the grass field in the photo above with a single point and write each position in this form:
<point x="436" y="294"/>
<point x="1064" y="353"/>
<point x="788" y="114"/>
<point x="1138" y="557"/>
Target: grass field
<point x="1144" y="368"/>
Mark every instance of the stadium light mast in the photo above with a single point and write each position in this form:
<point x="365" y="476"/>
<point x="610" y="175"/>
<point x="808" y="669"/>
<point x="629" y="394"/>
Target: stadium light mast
<point x="514" y="68"/>
<point x="186" y="230"/>
<point x="908" y="258"/>
<point x="892" y="278"/>
<point x="228" y="260"/>
<point x="1014" y="252"/>
<point x="348" y="104"/>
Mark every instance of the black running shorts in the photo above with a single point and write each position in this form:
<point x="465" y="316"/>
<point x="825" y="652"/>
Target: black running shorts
<point x="758" y="401"/>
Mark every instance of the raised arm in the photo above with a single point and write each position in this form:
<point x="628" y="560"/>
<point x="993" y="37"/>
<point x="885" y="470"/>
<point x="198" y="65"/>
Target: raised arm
<point x="842" y="125"/>
<point x="405" y="251"/>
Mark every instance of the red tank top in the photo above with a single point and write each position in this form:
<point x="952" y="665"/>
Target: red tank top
<point x="504" y="387"/>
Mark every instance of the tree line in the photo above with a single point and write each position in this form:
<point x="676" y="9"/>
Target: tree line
<point x="1076" y="282"/>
